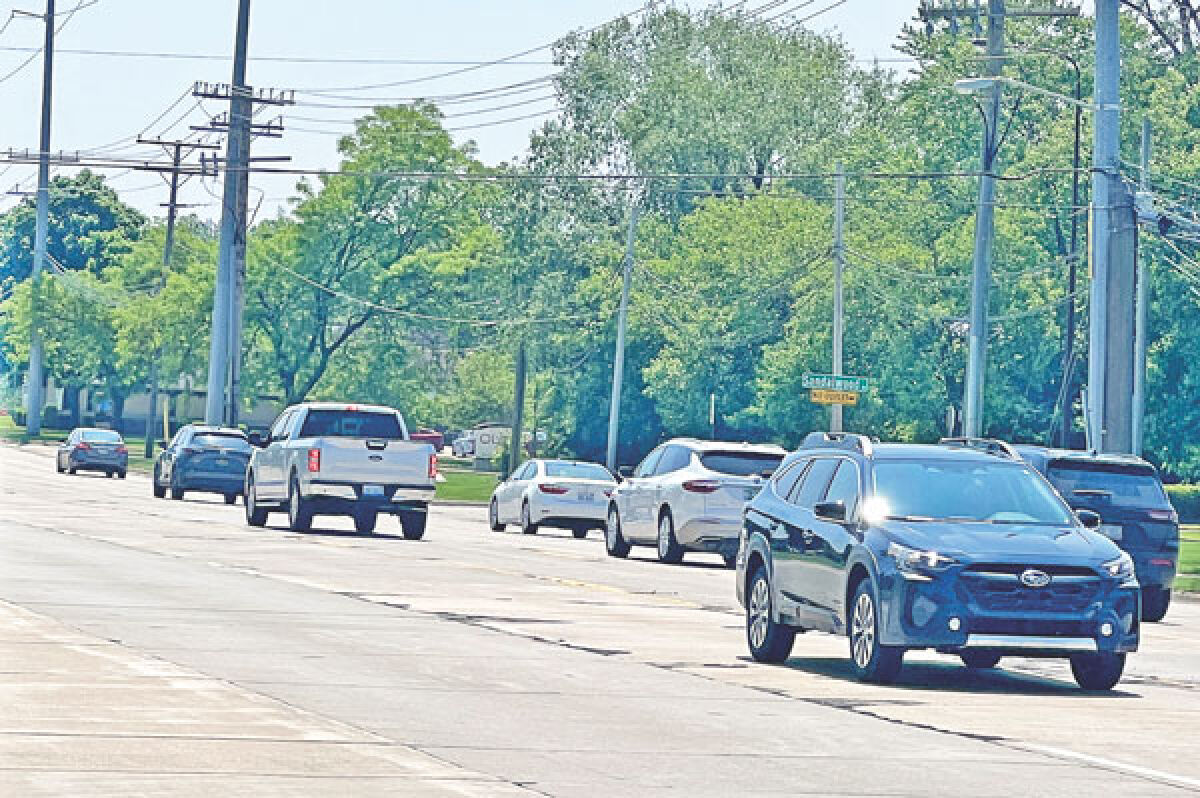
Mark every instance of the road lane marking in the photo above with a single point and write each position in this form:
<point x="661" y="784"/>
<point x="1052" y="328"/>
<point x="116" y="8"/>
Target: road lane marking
<point x="1125" y="768"/>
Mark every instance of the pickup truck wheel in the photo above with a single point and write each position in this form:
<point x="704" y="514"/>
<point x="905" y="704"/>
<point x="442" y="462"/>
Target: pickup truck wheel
<point x="494" y="517"/>
<point x="300" y="515"/>
<point x="255" y="515"/>
<point x="527" y="525"/>
<point x="614" y="542"/>
<point x="413" y="525"/>
<point x="364" y="521"/>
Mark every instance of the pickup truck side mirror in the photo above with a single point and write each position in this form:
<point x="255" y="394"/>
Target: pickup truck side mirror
<point x="830" y="511"/>
<point x="256" y="439"/>
<point x="1088" y="518"/>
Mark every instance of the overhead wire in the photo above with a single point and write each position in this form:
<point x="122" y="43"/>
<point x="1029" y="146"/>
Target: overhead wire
<point x="58" y="29"/>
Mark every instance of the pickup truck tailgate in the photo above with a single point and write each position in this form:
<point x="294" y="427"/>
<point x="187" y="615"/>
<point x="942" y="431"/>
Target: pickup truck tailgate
<point x="374" y="461"/>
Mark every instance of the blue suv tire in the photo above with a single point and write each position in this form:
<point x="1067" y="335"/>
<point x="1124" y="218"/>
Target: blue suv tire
<point x="872" y="661"/>
<point x="769" y="641"/>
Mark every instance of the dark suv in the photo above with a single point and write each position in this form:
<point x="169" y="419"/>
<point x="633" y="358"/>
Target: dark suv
<point x="962" y="548"/>
<point x="1126" y="493"/>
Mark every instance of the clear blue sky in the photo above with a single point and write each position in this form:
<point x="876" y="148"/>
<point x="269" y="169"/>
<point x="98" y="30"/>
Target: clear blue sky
<point x="100" y="99"/>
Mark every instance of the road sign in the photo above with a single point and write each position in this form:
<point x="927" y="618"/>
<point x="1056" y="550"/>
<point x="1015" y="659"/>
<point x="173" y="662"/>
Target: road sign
<point x="830" y="382"/>
<point x="827" y="397"/>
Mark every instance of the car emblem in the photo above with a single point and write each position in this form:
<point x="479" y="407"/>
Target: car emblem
<point x="1031" y="577"/>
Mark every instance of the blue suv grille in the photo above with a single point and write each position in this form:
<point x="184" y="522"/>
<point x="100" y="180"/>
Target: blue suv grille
<point x="999" y="589"/>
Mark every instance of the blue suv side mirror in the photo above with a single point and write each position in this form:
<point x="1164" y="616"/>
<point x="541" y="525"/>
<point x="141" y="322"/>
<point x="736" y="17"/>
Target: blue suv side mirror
<point x="1088" y="518"/>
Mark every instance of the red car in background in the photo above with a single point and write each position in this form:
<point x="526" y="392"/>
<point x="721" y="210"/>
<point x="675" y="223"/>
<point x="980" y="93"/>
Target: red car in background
<point x="430" y="436"/>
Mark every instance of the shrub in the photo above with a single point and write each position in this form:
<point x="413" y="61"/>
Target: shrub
<point x="1186" y="500"/>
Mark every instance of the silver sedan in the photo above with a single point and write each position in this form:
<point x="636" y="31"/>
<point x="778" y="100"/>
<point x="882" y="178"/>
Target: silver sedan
<point x="566" y="494"/>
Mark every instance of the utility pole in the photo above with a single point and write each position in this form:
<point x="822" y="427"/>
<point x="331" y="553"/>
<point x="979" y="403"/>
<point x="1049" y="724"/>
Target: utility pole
<point x="35" y="379"/>
<point x="839" y="265"/>
<point x="176" y="150"/>
<point x="515" y="451"/>
<point x="1140" y="302"/>
<point x="984" y="227"/>
<point x="1114" y="240"/>
<point x="614" y="407"/>
<point x="232" y="223"/>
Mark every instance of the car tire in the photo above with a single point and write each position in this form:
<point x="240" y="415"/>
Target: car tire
<point x="767" y="640"/>
<point x="979" y="660"/>
<point x="579" y="532"/>
<point x="412" y="525"/>
<point x="364" y="521"/>
<point x="121" y="475"/>
<point x="871" y="660"/>
<point x="300" y="514"/>
<point x="58" y="465"/>
<point x="730" y="560"/>
<point x="527" y="525"/>
<point x="71" y="470"/>
<point x="494" y="517"/>
<point x="231" y="498"/>
<point x="1100" y="671"/>
<point x="177" y="492"/>
<point x="160" y="491"/>
<point x="109" y="474"/>
<point x="1155" y="601"/>
<point x="669" y="550"/>
<point x="614" y="542"/>
<point x="255" y="515"/>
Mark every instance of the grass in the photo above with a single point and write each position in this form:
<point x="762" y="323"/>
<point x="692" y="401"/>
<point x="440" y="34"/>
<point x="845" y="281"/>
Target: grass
<point x="467" y="486"/>
<point x="1189" y="558"/>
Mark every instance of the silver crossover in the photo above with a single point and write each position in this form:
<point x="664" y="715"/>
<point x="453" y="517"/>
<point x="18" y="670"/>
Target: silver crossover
<point x="688" y="495"/>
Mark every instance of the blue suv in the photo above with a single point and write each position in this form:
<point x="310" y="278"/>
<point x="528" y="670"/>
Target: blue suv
<point x="961" y="547"/>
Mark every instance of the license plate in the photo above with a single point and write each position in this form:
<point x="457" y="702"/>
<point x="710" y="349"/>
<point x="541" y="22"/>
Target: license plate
<point x="1112" y="531"/>
<point x="372" y="490"/>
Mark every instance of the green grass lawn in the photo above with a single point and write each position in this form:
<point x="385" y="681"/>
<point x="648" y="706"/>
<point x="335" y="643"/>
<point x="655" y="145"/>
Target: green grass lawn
<point x="1189" y="558"/>
<point x="469" y="486"/>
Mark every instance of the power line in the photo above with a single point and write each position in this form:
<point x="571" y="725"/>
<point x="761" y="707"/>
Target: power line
<point x="38" y="51"/>
<point x="284" y="59"/>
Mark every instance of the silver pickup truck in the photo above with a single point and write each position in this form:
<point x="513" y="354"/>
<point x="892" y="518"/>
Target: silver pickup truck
<point x="324" y="458"/>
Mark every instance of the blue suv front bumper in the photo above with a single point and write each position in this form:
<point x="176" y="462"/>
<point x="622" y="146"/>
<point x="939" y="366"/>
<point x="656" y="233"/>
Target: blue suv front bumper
<point x="987" y="607"/>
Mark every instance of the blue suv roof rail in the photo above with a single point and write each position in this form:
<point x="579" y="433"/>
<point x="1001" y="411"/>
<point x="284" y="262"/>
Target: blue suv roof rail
<point x="838" y="440"/>
<point x="989" y="445"/>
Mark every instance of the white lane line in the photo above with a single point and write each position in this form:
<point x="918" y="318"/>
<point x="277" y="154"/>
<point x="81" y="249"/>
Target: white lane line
<point x="1151" y="774"/>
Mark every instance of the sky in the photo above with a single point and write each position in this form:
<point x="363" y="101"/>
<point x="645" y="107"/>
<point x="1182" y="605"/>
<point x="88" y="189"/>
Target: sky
<point x="106" y="99"/>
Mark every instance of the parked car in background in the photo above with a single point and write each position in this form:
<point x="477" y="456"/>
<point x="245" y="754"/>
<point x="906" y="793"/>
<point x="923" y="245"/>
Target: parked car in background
<point x="960" y="548"/>
<point x="482" y="441"/>
<point x="564" y="494"/>
<point x="1133" y="507"/>
<point x="688" y="495"/>
<point x="327" y="458"/>
<point x="430" y="436"/>
<point x="204" y="459"/>
<point x="92" y="449"/>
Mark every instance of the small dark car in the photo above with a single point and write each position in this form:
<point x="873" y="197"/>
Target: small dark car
<point x="1127" y="494"/>
<point x="966" y="550"/>
<point x="90" y="449"/>
<point x="203" y="459"/>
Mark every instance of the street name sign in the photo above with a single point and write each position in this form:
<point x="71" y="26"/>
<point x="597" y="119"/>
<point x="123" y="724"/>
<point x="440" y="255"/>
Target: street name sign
<point x="831" y="382"/>
<point x="826" y="397"/>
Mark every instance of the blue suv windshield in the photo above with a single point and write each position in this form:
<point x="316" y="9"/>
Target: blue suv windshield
<point x="945" y="490"/>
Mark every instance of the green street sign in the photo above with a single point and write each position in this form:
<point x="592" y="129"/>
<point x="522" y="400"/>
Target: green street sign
<point x="829" y="382"/>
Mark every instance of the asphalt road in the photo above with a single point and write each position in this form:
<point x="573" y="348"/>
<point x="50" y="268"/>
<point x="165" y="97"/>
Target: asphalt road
<point x="155" y="647"/>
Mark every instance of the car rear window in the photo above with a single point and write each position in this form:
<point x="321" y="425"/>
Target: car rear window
<point x="224" y="440"/>
<point x="351" y="424"/>
<point x="1121" y="486"/>
<point x="578" y="471"/>
<point x="101" y="436"/>
<point x="740" y="464"/>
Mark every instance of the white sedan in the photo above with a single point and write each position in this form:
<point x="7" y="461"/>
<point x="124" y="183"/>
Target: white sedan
<point x="566" y="494"/>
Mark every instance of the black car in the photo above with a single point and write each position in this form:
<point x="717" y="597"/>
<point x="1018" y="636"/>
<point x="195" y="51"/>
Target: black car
<point x="1134" y="509"/>
<point x="963" y="549"/>
<point x="91" y="449"/>
<point x="203" y="459"/>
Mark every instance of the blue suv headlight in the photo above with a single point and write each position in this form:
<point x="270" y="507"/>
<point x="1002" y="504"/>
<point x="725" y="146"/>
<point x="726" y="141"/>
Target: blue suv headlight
<point x="1120" y="568"/>
<point x="915" y="564"/>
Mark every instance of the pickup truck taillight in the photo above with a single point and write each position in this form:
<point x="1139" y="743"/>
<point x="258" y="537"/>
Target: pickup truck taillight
<point x="314" y="460"/>
<point x="433" y="466"/>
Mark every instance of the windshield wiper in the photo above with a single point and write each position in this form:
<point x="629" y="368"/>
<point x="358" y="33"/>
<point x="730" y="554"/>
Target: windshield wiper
<point x="910" y="518"/>
<point x="1093" y="492"/>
